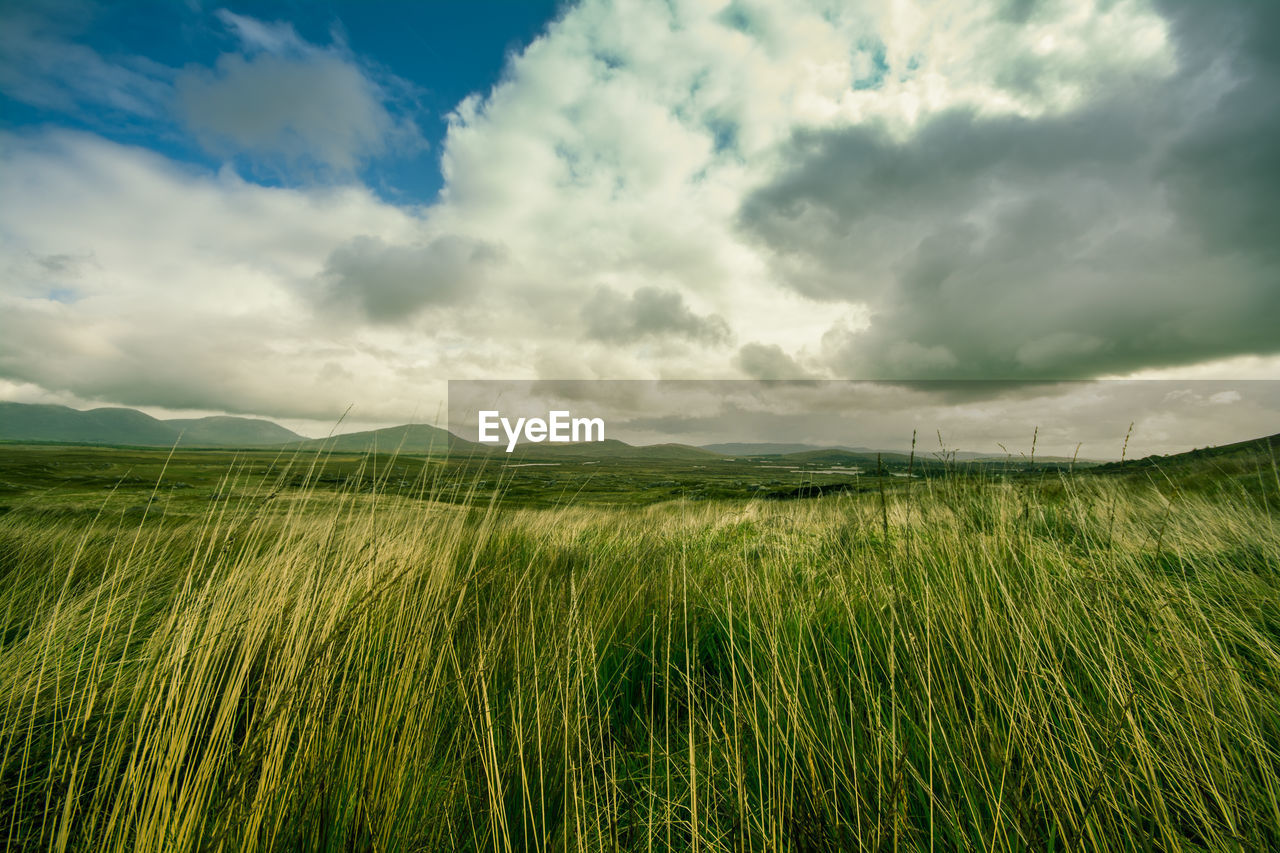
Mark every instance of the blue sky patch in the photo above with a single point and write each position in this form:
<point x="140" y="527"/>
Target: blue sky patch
<point x="122" y="71"/>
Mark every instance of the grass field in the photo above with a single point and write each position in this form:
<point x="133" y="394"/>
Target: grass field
<point x="387" y="655"/>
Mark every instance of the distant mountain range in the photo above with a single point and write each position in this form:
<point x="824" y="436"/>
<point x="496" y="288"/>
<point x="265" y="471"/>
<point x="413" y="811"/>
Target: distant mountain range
<point x="28" y="422"/>
<point x="23" y="422"/>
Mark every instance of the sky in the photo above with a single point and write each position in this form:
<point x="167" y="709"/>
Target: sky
<point x="292" y="210"/>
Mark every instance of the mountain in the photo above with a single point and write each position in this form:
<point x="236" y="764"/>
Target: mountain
<point x="409" y="438"/>
<point x="23" y="422"/>
<point x="223" y="430"/>
<point x="118" y="426"/>
<point x="29" y="422"/>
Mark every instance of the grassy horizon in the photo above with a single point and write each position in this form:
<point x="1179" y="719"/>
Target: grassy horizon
<point x="1063" y="662"/>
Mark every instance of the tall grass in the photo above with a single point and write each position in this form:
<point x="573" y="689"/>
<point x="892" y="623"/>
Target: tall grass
<point x="957" y="665"/>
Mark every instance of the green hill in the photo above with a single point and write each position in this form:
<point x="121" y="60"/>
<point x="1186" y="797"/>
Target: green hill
<point x="118" y="426"/>
<point x="1223" y="457"/>
<point x="1251" y="467"/>
<point x="229" y="431"/>
<point x="409" y="438"/>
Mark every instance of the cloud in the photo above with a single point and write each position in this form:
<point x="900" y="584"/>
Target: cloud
<point x="286" y="98"/>
<point x="277" y="37"/>
<point x="193" y="290"/>
<point x="768" y="361"/>
<point x="41" y="65"/>
<point x="388" y="283"/>
<point x="1223" y="172"/>
<point x="612" y="317"/>
<point x="1065" y="245"/>
<point x="622" y="148"/>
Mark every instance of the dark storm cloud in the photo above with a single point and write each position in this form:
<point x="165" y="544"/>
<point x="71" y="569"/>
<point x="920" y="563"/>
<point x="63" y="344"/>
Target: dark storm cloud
<point x="1224" y="173"/>
<point x="389" y="283"/>
<point x="1134" y="231"/>
<point x="649" y="312"/>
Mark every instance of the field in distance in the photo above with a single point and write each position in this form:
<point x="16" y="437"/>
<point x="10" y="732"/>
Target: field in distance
<point x="186" y="480"/>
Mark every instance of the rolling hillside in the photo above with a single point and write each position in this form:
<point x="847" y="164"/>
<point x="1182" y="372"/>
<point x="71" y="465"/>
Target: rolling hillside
<point x="29" y="422"/>
<point x="1250" y="467"/>
<point x="408" y="438"/>
<point x="1249" y="453"/>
